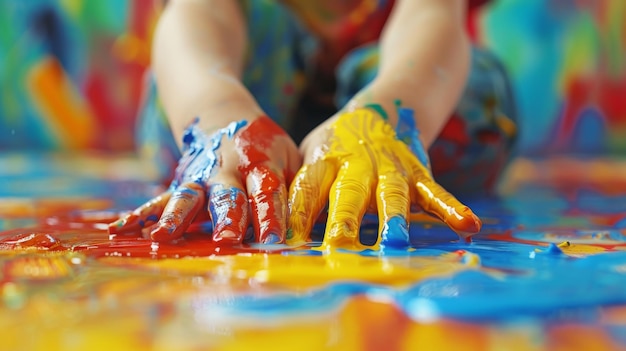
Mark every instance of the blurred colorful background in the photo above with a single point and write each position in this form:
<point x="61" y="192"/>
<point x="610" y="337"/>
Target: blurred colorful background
<point x="71" y="71"/>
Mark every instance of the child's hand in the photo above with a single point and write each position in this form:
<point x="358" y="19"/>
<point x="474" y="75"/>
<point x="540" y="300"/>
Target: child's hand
<point x="357" y="163"/>
<point x="238" y="174"/>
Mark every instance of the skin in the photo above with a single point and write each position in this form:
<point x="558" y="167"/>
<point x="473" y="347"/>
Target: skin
<point x="198" y="55"/>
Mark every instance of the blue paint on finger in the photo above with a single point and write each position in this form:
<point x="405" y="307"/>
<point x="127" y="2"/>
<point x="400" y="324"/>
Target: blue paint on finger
<point x="395" y="233"/>
<point x="228" y="207"/>
<point x="200" y="158"/>
<point x="407" y="132"/>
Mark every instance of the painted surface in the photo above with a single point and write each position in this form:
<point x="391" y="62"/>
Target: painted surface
<point x="546" y="272"/>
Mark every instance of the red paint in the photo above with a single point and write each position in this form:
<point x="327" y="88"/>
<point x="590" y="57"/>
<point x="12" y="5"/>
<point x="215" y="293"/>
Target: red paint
<point x="141" y="217"/>
<point x="97" y="242"/>
<point x="254" y="142"/>
<point x="268" y="202"/>
<point x="603" y="92"/>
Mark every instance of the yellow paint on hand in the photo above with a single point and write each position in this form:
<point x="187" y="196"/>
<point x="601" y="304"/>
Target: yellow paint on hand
<point x="367" y="164"/>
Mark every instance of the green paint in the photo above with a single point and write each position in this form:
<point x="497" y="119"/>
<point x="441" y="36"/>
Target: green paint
<point x="379" y="109"/>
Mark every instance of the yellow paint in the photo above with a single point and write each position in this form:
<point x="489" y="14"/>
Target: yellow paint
<point x="132" y="49"/>
<point x="580" y="249"/>
<point x="73" y="302"/>
<point x="73" y="7"/>
<point x="365" y="164"/>
<point x="85" y="301"/>
<point x="303" y="271"/>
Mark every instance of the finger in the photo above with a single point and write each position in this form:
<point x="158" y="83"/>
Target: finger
<point x="435" y="200"/>
<point x="268" y="202"/>
<point x="183" y="206"/>
<point x="228" y="207"/>
<point x="142" y="217"/>
<point x="308" y="195"/>
<point x="393" y="203"/>
<point x="348" y="199"/>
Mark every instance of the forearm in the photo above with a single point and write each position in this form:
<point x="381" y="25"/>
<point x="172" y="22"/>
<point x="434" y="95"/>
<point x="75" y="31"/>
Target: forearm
<point x="198" y="53"/>
<point x="424" y="63"/>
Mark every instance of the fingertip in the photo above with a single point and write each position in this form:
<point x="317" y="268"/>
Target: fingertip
<point x="299" y="227"/>
<point x="123" y="224"/>
<point x="162" y="233"/>
<point x="267" y="192"/>
<point x="227" y="237"/>
<point x="228" y="209"/>
<point x="465" y="223"/>
<point x="474" y="224"/>
<point x="342" y="235"/>
<point x="272" y="238"/>
<point x="395" y="233"/>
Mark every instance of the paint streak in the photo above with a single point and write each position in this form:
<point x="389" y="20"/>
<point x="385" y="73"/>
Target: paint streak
<point x="200" y="153"/>
<point x="408" y="133"/>
<point x="364" y="154"/>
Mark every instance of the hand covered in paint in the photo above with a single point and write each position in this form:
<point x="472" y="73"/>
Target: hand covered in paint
<point x="237" y="175"/>
<point x="356" y="162"/>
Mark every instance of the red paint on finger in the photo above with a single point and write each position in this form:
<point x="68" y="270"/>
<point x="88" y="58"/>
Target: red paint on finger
<point x="144" y="216"/>
<point x="267" y="190"/>
<point x="268" y="195"/>
<point x="254" y="148"/>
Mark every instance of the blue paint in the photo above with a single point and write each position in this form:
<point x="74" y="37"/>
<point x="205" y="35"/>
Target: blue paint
<point x="407" y="132"/>
<point x="395" y="233"/>
<point x="554" y="250"/>
<point x="199" y="160"/>
<point x="271" y="238"/>
<point x="590" y="133"/>
<point x="554" y="294"/>
<point x="549" y="287"/>
<point x="221" y="201"/>
<point x="153" y="218"/>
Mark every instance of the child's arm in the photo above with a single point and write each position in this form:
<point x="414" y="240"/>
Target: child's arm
<point x="424" y="61"/>
<point x="197" y="57"/>
<point x="232" y="153"/>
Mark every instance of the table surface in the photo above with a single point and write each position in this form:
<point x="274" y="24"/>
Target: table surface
<point x="548" y="270"/>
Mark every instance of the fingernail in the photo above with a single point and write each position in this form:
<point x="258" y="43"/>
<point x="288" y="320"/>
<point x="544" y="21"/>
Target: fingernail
<point x="122" y="223"/>
<point x="226" y="236"/>
<point x="271" y="238"/>
<point x="162" y="233"/>
<point x="477" y="223"/>
<point x="395" y="233"/>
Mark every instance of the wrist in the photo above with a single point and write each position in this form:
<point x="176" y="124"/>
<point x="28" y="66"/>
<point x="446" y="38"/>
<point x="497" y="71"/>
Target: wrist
<point x="375" y="98"/>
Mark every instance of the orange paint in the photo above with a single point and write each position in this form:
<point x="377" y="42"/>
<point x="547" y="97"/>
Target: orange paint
<point x="59" y="100"/>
